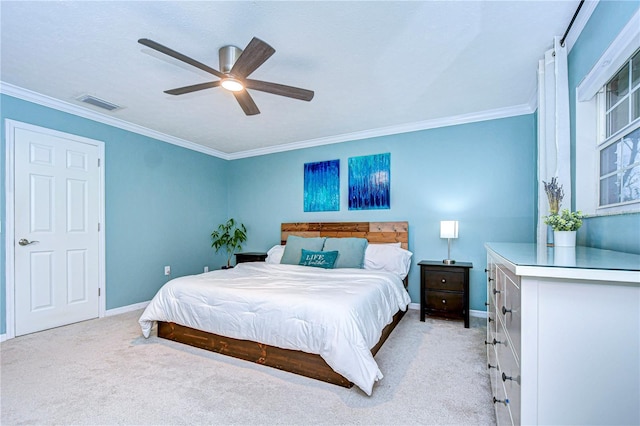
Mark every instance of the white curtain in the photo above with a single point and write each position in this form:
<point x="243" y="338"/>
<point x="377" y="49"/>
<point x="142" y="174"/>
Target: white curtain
<point x="553" y="130"/>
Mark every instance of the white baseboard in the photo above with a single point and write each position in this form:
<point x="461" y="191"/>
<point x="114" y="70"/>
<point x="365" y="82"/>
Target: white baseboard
<point x="124" y="309"/>
<point x="477" y="314"/>
<point x="109" y="312"/>
<point x="414" y="306"/>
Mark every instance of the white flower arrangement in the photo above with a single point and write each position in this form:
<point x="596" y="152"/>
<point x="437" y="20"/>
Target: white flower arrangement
<point x="565" y="220"/>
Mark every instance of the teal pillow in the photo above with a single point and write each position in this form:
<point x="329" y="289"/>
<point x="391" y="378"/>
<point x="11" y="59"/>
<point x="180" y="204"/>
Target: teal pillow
<point x="318" y="259"/>
<point x="350" y="251"/>
<point x="295" y="244"/>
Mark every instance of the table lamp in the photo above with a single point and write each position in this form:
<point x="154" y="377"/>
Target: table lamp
<point x="449" y="230"/>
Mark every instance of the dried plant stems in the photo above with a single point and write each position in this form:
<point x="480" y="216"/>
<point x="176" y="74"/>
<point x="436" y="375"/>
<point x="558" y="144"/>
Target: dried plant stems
<point x="555" y="194"/>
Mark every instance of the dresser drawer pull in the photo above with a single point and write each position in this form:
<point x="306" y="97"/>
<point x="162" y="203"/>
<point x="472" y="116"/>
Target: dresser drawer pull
<point x="489" y="319"/>
<point x="489" y="366"/>
<point x="501" y="401"/>
<point x="486" y="303"/>
<point x="495" y="342"/>
<point x="490" y="279"/>
<point x="495" y="291"/>
<point x="505" y="310"/>
<point x="505" y="378"/>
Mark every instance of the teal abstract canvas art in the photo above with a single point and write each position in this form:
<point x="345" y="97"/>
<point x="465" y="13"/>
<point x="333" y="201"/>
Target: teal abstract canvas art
<point x="370" y="182"/>
<point x="322" y="186"/>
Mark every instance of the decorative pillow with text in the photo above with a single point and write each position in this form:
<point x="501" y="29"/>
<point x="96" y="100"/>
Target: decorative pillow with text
<point x="318" y="259"/>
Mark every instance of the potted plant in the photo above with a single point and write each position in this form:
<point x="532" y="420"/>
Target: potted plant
<point x="230" y="237"/>
<point x="565" y="224"/>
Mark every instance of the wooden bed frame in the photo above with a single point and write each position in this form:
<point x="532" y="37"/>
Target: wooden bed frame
<point x="297" y="362"/>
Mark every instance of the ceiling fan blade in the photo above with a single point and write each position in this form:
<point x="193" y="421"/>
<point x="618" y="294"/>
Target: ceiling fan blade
<point x="279" y="89"/>
<point x="193" y="88"/>
<point x="177" y="55"/>
<point x="246" y="102"/>
<point x="254" y="55"/>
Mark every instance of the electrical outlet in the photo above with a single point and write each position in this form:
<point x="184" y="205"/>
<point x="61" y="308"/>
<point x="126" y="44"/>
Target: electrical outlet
<point x="206" y="269"/>
<point x="167" y="270"/>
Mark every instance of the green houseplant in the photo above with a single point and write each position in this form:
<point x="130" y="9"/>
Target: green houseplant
<point x="565" y="220"/>
<point x="229" y="236"/>
<point x="564" y="224"/>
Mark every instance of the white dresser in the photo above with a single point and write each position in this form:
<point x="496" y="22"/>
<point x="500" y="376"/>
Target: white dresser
<point x="563" y="334"/>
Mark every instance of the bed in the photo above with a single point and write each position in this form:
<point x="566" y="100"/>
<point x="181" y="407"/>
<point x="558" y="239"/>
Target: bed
<point x="326" y="324"/>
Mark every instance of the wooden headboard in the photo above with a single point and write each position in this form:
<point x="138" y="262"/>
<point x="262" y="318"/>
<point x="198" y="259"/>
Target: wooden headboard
<point x="375" y="232"/>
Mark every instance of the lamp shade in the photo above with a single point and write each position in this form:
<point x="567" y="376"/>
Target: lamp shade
<point x="448" y="229"/>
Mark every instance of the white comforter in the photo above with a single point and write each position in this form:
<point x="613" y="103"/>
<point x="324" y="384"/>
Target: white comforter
<point x="336" y="313"/>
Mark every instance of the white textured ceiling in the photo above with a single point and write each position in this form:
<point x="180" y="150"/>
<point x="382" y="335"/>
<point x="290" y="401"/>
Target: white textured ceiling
<point x="372" y="65"/>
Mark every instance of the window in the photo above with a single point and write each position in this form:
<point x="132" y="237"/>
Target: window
<point x="619" y="145"/>
<point x="607" y="128"/>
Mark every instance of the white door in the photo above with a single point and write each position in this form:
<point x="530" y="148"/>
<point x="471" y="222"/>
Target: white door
<point x="57" y="201"/>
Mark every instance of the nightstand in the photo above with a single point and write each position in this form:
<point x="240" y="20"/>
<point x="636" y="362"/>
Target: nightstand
<point x="444" y="290"/>
<point x="250" y="257"/>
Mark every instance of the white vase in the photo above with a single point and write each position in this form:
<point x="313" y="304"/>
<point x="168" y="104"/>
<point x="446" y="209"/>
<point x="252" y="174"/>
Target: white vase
<point x="564" y="238"/>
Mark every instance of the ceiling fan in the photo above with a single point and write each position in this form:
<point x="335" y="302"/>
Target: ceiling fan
<point x="235" y="66"/>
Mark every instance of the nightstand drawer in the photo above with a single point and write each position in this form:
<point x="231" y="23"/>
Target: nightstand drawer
<point x="443" y="303"/>
<point x="445" y="280"/>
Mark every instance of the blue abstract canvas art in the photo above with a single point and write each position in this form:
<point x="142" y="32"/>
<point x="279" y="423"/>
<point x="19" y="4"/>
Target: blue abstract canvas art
<point x="370" y="182"/>
<point x="322" y="186"/>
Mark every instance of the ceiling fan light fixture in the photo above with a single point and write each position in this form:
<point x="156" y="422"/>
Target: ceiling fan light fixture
<point x="232" y="84"/>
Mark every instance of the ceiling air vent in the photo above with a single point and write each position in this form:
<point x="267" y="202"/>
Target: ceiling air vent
<point x="92" y="100"/>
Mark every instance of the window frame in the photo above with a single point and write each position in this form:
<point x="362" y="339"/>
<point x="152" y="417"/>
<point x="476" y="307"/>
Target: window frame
<point x="603" y="141"/>
<point x="590" y="123"/>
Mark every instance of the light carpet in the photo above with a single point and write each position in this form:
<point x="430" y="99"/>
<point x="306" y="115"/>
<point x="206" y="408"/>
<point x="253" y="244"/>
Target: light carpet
<point x="104" y="372"/>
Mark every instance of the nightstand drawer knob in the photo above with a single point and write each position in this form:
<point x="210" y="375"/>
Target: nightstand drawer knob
<point x="444" y="301"/>
<point x="444" y="281"/>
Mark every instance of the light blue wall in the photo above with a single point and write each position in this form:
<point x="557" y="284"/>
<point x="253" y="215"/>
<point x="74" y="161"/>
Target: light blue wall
<point x="162" y="202"/>
<point x="481" y="174"/>
<point x="618" y="232"/>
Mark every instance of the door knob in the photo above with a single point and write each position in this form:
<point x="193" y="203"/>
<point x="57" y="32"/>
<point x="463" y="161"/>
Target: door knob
<point x="25" y="242"/>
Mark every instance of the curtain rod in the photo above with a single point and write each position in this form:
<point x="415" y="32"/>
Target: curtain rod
<point x="564" y="37"/>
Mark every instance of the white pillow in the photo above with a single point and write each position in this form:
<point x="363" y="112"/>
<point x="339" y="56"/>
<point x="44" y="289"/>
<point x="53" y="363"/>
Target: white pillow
<point x="388" y="257"/>
<point x="274" y="255"/>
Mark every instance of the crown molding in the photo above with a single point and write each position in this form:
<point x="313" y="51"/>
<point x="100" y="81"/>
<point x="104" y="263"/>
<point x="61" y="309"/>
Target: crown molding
<point x="47" y="101"/>
<point x="37" y="98"/>
<point x="494" y="114"/>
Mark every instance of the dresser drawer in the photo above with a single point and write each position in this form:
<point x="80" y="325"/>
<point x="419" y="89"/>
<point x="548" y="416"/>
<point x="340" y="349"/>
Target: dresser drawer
<point x="445" y="280"/>
<point x="492" y="321"/>
<point x="500" y="401"/>
<point x="509" y="374"/>
<point x="511" y="313"/>
<point x="444" y="303"/>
